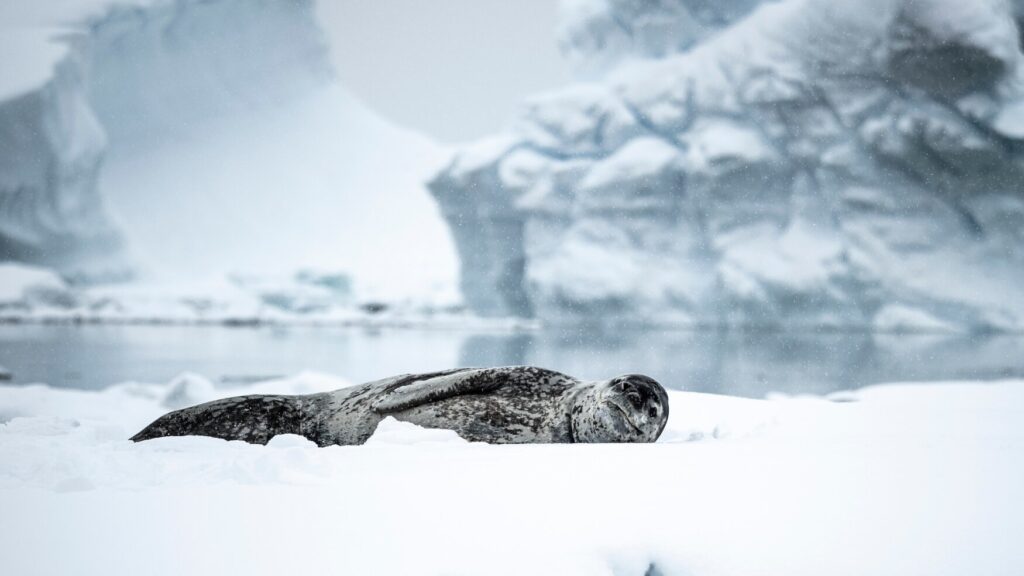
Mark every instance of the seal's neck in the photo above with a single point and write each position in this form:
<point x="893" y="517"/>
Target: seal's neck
<point x="579" y="404"/>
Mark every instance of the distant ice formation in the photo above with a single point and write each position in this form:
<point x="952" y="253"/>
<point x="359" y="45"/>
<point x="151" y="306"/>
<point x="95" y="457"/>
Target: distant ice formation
<point x="188" y="139"/>
<point x="804" y="163"/>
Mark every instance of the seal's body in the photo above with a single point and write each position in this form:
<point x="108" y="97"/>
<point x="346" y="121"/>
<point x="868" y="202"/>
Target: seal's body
<point x="511" y="405"/>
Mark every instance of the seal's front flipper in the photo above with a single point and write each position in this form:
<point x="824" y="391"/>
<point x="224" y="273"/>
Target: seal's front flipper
<point x="419" y="390"/>
<point x="254" y="419"/>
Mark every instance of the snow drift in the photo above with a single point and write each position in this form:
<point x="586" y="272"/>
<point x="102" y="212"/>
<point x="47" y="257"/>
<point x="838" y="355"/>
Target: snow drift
<point x="187" y="139"/>
<point x="808" y="163"/>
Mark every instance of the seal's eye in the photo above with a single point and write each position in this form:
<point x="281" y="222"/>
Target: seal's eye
<point x="634" y="399"/>
<point x="652" y="412"/>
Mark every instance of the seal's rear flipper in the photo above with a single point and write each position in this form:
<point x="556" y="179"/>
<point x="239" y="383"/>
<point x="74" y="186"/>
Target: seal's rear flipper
<point x="424" y="389"/>
<point x="254" y="419"/>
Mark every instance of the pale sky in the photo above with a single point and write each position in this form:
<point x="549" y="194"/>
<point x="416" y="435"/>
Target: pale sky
<point x="454" y="70"/>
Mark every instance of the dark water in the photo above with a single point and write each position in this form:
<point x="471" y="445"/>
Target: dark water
<point x="745" y="364"/>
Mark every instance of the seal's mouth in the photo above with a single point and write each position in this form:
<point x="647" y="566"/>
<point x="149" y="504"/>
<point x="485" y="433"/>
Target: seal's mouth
<point x="625" y="416"/>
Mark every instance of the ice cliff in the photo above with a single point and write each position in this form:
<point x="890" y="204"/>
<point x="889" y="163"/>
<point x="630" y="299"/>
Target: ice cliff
<point x="804" y="163"/>
<point x="187" y="139"/>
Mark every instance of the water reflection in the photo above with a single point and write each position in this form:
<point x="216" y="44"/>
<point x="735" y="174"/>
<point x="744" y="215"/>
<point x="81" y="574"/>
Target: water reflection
<point x="746" y="364"/>
<point x="753" y="364"/>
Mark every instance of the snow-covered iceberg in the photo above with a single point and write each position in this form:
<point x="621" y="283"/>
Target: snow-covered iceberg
<point x="830" y="163"/>
<point x="189" y="139"/>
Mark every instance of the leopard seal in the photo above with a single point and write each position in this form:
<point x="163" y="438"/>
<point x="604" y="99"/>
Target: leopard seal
<point x="507" y="405"/>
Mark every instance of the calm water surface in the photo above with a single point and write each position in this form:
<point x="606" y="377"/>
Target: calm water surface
<point x="744" y="364"/>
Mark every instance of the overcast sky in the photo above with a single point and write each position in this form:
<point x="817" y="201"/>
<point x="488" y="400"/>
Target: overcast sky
<point x="453" y="69"/>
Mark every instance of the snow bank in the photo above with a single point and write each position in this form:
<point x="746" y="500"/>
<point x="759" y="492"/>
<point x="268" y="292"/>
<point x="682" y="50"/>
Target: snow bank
<point x="892" y="479"/>
<point x="801" y="164"/>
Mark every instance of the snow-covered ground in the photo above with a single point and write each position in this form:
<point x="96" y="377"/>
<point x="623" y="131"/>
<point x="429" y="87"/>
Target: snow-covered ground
<point x="897" y="479"/>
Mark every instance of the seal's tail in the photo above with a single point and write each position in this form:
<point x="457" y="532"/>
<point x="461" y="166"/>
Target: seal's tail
<point x="254" y="419"/>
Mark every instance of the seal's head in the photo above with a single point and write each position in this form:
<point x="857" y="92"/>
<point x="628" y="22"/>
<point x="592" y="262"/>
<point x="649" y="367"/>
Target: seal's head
<point x="630" y="408"/>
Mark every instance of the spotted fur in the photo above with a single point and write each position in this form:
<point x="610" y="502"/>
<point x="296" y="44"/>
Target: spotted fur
<point x="509" y="405"/>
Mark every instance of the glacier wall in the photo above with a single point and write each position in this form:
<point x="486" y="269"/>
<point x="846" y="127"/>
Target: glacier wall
<point x="807" y="163"/>
<point x="100" y="72"/>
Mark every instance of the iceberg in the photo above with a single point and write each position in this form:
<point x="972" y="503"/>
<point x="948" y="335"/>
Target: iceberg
<point x="793" y="164"/>
<point x="189" y="140"/>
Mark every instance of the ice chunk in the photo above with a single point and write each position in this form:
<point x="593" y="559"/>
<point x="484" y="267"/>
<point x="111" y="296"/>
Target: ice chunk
<point x="187" y="389"/>
<point x="27" y="287"/>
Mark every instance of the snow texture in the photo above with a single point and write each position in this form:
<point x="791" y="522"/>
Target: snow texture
<point x="810" y="163"/>
<point x="887" y="480"/>
<point x="599" y="34"/>
<point x="188" y="139"/>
